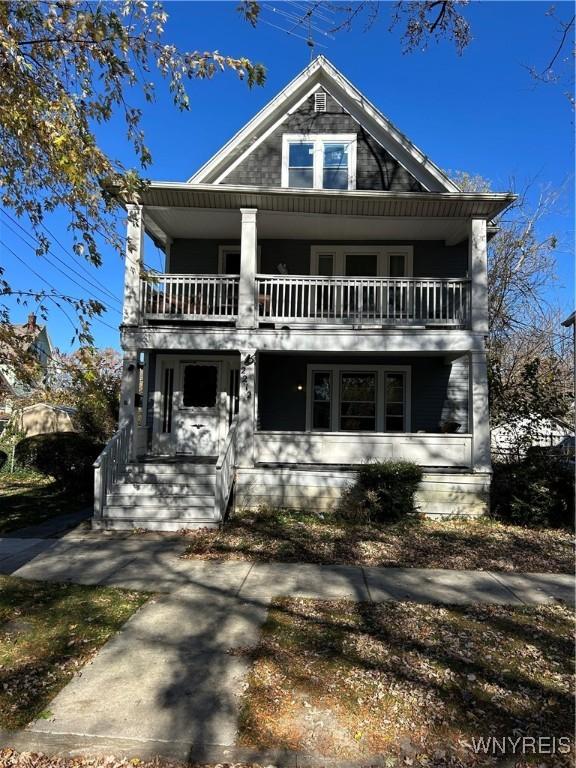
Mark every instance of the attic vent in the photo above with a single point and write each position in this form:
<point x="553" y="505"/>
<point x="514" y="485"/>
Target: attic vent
<point x="319" y="101"/>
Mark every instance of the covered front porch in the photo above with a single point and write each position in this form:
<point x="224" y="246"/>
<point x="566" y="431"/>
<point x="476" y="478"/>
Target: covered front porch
<point x="313" y="408"/>
<point x="201" y="429"/>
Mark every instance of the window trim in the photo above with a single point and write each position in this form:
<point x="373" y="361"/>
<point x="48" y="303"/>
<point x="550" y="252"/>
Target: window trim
<point x="383" y="252"/>
<point x="318" y="140"/>
<point x="381" y="370"/>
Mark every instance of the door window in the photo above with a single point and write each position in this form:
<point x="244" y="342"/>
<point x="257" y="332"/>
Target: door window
<point x="326" y="264"/>
<point x="231" y="262"/>
<point x="361" y="265"/>
<point x="200" y="386"/>
<point x="397" y="266"/>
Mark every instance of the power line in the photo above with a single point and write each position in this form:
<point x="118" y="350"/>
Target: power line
<point x="80" y="260"/>
<point x="89" y="281"/>
<point x="66" y="266"/>
<point x="93" y="281"/>
<point x="49" y="284"/>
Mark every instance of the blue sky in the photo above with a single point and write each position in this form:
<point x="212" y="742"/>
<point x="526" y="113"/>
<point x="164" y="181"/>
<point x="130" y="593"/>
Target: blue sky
<point x="480" y="112"/>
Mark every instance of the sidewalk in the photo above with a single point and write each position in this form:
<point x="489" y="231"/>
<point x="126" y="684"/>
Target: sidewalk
<point x="169" y="682"/>
<point x="155" y="565"/>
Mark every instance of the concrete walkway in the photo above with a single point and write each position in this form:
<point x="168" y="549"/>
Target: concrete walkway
<point x="169" y="682"/>
<point x="154" y="564"/>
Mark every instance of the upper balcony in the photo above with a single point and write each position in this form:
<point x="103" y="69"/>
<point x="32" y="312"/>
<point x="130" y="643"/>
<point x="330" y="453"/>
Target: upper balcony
<point x="267" y="258"/>
<point x="309" y="301"/>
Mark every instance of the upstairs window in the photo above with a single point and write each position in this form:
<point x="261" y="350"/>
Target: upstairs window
<point x="319" y="161"/>
<point x="301" y="165"/>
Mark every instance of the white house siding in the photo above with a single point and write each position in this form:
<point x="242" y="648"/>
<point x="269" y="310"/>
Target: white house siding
<point x="441" y="494"/>
<point x="353" y="448"/>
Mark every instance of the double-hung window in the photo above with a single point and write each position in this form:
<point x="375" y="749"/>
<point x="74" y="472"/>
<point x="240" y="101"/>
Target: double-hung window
<point x="319" y="161"/>
<point x="358" y="398"/>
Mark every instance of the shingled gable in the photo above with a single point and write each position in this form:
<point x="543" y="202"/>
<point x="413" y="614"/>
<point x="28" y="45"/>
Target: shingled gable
<point x="391" y="161"/>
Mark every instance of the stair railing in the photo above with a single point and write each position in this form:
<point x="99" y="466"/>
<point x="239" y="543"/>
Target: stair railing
<point x="111" y="464"/>
<point x="225" y="470"/>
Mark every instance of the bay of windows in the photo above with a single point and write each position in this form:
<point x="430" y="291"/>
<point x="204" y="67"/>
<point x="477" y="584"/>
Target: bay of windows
<point x="359" y="398"/>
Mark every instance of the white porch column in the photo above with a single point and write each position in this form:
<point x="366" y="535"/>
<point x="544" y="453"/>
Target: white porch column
<point x="479" y="413"/>
<point x="478" y="274"/>
<point x="134" y="254"/>
<point x="129" y="385"/>
<point x="246" y="408"/>
<point x="248" y="264"/>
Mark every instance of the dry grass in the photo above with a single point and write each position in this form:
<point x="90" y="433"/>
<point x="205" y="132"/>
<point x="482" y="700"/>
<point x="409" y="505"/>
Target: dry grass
<point x="280" y="535"/>
<point x="9" y="758"/>
<point x="47" y="633"/>
<point x="415" y="683"/>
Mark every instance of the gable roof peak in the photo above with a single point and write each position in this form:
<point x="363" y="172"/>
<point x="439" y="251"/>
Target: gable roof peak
<point x="321" y="72"/>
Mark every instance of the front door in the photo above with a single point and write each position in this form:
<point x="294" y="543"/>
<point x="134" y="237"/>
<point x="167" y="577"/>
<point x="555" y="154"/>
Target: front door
<point x="198" y="412"/>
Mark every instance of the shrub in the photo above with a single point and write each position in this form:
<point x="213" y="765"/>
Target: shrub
<point x="3" y="458"/>
<point x="536" y="491"/>
<point x="66" y="456"/>
<point x="383" y="492"/>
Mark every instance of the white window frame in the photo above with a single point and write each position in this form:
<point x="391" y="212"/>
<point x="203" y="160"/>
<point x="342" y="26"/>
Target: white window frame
<point x="224" y="249"/>
<point x="381" y="370"/>
<point x="383" y="252"/>
<point x="318" y="140"/>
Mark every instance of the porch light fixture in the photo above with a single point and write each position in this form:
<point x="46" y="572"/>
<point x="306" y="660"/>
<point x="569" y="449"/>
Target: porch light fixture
<point x="300" y="387"/>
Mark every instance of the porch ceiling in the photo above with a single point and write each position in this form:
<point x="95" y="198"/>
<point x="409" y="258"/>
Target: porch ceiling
<point x="225" y="225"/>
<point x="182" y="210"/>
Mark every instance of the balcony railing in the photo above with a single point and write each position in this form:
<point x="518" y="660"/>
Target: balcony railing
<point x="310" y="300"/>
<point x="189" y="297"/>
<point x="363" y="300"/>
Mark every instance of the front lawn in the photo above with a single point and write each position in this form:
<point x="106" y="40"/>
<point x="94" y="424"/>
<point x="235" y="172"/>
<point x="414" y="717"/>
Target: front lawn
<point x="29" y="498"/>
<point x="417" y="683"/>
<point x="47" y="632"/>
<point x="268" y="535"/>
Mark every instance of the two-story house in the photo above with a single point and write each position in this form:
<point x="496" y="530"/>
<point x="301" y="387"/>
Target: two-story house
<point x="323" y="303"/>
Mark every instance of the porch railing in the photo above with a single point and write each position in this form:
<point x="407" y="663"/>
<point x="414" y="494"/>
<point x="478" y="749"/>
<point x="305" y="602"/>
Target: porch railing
<point x="225" y="470"/>
<point x="365" y="300"/>
<point x="111" y="464"/>
<point x="189" y="297"/>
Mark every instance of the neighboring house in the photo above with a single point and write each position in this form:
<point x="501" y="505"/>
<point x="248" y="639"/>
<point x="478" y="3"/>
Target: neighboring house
<point x="513" y="439"/>
<point x="324" y="303"/>
<point x="27" y="338"/>
<point x="42" y="419"/>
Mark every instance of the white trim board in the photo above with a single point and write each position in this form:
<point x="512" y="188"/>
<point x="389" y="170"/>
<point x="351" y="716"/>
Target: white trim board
<point x="320" y="72"/>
